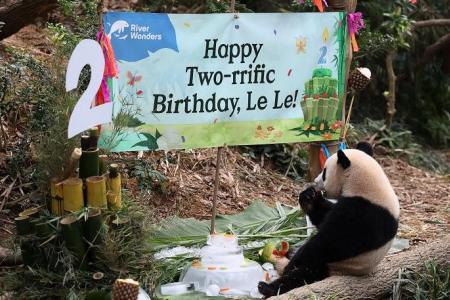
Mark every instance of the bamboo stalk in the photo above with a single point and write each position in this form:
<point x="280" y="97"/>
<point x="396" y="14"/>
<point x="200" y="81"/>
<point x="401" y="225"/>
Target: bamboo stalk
<point x="73" y="194"/>
<point x="92" y="230"/>
<point x="23" y="226"/>
<point x="71" y="232"/>
<point x="115" y="186"/>
<point x="96" y="191"/>
<point x="89" y="165"/>
<point x="56" y="192"/>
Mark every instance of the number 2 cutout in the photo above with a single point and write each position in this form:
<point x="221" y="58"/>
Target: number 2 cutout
<point x="83" y="117"/>
<point x="323" y="53"/>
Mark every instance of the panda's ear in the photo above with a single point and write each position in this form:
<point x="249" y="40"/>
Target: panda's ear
<point x="365" y="147"/>
<point x="343" y="159"/>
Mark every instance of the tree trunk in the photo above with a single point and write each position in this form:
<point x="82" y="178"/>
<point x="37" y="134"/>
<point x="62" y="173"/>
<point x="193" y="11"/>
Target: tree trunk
<point x="379" y="283"/>
<point x="392" y="79"/>
<point x="19" y="13"/>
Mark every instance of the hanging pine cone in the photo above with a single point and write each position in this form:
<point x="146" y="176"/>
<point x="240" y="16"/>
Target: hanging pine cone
<point x="125" y="289"/>
<point x="359" y="79"/>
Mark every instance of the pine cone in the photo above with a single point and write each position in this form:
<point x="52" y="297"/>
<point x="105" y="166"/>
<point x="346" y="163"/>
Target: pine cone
<point x="125" y="289"/>
<point x="359" y="79"/>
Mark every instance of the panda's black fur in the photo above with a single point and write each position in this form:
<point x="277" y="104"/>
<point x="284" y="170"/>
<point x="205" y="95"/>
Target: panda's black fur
<point x="346" y="229"/>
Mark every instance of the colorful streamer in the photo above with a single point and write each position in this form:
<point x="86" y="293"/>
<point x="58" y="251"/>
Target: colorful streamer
<point x="355" y="23"/>
<point x="111" y="71"/>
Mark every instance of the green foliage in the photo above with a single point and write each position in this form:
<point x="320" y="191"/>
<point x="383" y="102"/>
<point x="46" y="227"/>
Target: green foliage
<point x="401" y="143"/>
<point x="432" y="282"/>
<point x="122" y="256"/>
<point x="147" y="176"/>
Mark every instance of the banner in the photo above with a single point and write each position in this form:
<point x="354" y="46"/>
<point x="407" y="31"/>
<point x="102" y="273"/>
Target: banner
<point x="195" y="81"/>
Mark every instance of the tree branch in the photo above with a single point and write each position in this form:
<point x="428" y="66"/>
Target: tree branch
<point x="432" y="22"/>
<point x="379" y="283"/>
<point x="432" y="50"/>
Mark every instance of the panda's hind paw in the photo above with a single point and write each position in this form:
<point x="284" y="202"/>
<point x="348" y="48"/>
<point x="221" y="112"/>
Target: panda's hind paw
<point x="266" y="289"/>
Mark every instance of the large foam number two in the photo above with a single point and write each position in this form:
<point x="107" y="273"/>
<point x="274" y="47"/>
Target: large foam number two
<point x="323" y="53"/>
<point x="87" y="52"/>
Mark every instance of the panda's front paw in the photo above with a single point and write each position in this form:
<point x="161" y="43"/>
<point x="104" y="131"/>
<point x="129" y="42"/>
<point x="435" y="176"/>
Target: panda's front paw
<point x="307" y="198"/>
<point x="266" y="289"/>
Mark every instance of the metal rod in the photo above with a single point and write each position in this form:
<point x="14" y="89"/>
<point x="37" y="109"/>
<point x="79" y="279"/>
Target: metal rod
<point x="216" y="188"/>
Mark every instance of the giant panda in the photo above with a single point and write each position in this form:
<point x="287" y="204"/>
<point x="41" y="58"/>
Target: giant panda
<point x="354" y="233"/>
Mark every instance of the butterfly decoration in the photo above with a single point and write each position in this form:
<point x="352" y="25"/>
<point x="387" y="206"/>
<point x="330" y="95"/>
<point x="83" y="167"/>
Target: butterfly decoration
<point x="133" y="79"/>
<point x="300" y="43"/>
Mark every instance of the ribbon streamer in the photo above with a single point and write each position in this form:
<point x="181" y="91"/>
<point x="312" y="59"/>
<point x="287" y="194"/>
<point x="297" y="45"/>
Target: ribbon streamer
<point x="355" y="23"/>
<point x="319" y="4"/>
<point x="103" y="95"/>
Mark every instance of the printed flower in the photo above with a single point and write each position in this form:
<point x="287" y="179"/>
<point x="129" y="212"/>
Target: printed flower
<point x="170" y="139"/>
<point x="139" y="92"/>
<point x="270" y="128"/>
<point x="336" y="125"/>
<point x="261" y="134"/>
<point x="327" y="136"/>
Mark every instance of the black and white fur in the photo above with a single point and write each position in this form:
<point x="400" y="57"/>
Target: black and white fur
<point x="355" y="233"/>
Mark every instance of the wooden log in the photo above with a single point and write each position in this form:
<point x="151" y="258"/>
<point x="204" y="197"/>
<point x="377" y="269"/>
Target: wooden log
<point x="19" y="13"/>
<point x="73" y="194"/>
<point x="72" y="235"/>
<point x="96" y="191"/>
<point x="115" y="186"/>
<point x="378" y="284"/>
<point x="89" y="163"/>
<point x="23" y="225"/>
<point x="56" y="193"/>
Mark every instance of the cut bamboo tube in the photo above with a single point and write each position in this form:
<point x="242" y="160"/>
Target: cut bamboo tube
<point x="23" y="225"/>
<point x="73" y="161"/>
<point x="112" y="200"/>
<point x="41" y="227"/>
<point x="56" y="192"/>
<point x="96" y="191"/>
<point x="120" y="222"/>
<point x="89" y="163"/>
<point x="115" y="186"/>
<point x="94" y="134"/>
<point x="92" y="230"/>
<point x="73" y="194"/>
<point x="84" y="142"/>
<point x="31" y="253"/>
<point x="71" y="232"/>
<point x="30" y="212"/>
<point x="102" y="164"/>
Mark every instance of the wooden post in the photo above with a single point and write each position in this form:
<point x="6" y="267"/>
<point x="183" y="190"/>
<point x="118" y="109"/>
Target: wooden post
<point x="314" y="148"/>
<point x="219" y="157"/>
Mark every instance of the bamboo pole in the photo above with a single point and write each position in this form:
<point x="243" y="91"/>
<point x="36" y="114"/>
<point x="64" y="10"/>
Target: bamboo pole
<point x="23" y="226"/>
<point x="115" y="188"/>
<point x="56" y="193"/>
<point x="96" y="191"/>
<point x="89" y="165"/>
<point x="71" y="232"/>
<point x="92" y="230"/>
<point x="73" y="194"/>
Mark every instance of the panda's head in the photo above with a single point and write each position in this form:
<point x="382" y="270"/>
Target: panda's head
<point x="355" y="173"/>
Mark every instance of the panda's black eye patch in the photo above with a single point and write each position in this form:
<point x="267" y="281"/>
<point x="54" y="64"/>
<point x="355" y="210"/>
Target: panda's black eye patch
<point x="324" y="174"/>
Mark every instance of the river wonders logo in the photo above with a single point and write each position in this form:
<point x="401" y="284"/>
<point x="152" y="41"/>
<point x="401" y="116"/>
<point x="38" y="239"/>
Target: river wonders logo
<point x="122" y="30"/>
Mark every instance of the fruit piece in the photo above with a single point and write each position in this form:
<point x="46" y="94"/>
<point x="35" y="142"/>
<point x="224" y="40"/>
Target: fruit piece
<point x="125" y="289"/>
<point x="267" y="252"/>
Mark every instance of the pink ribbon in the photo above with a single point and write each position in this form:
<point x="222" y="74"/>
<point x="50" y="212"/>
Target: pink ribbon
<point x="355" y="22"/>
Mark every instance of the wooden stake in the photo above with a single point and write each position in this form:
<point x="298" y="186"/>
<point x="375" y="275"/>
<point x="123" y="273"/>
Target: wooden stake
<point x="73" y="194"/>
<point x="216" y="188"/>
<point x="96" y="191"/>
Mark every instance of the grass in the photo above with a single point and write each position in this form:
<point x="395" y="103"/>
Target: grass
<point x="432" y="282"/>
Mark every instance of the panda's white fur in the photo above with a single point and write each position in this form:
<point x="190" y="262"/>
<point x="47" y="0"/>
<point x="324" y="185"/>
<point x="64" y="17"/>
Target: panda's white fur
<point x="363" y="221"/>
<point x="364" y="178"/>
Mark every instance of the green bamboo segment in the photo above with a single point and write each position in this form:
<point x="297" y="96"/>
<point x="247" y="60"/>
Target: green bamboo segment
<point x="89" y="165"/>
<point x="84" y="142"/>
<point x="119" y="222"/>
<point x="102" y="161"/>
<point x="31" y="253"/>
<point x="92" y="230"/>
<point x="73" y="194"/>
<point x="42" y="227"/>
<point x="96" y="191"/>
<point x="23" y="225"/>
<point x="72" y="235"/>
<point x="94" y="135"/>
<point x="115" y="186"/>
<point x="56" y="192"/>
